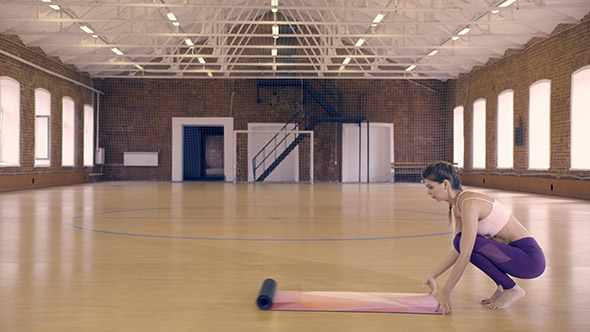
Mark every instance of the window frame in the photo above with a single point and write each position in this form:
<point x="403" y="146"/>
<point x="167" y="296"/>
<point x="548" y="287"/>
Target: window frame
<point x="508" y="141"/>
<point x="14" y="157"/>
<point x="579" y="133"/>
<point x="535" y="131"/>
<point x="68" y="133"/>
<point x="459" y="136"/>
<point x="478" y="160"/>
<point x="88" y="136"/>
<point x="46" y="160"/>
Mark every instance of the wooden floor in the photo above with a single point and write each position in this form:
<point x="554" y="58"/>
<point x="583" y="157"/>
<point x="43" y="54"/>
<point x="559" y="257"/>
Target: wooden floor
<point x="134" y="256"/>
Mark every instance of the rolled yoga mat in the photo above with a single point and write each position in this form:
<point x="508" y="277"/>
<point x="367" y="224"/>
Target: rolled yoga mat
<point x="266" y="294"/>
<point x="415" y="303"/>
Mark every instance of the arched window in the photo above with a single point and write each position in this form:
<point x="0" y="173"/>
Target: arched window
<point x="580" y="119"/>
<point x="458" y="138"/>
<point x="540" y="125"/>
<point x="9" y="122"/>
<point x="68" y="132"/>
<point x="88" y="135"/>
<point x="479" y="133"/>
<point x="42" y="127"/>
<point x="506" y="129"/>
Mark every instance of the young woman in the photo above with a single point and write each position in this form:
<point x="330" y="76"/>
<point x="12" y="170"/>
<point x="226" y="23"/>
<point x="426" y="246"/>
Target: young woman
<point x="487" y="235"/>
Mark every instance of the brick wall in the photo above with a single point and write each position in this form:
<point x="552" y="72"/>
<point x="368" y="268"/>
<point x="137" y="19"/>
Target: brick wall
<point x="30" y="79"/>
<point x="136" y="115"/>
<point x="553" y="58"/>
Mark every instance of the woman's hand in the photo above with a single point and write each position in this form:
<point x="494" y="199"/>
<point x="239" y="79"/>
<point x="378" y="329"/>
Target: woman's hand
<point x="443" y="299"/>
<point x="430" y="282"/>
<point x="444" y="302"/>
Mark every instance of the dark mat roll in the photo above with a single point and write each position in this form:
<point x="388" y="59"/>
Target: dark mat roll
<point x="267" y="292"/>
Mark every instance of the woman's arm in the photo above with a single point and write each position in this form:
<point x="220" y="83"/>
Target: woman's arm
<point x="446" y="264"/>
<point x="470" y="217"/>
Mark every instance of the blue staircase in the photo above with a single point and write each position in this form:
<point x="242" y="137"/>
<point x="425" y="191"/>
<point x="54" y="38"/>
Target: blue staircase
<point x="305" y="120"/>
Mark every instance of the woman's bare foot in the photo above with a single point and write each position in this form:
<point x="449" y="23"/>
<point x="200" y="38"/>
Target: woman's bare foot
<point x="507" y="297"/>
<point x="494" y="296"/>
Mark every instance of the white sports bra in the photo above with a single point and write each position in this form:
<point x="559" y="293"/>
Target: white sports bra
<point x="495" y="221"/>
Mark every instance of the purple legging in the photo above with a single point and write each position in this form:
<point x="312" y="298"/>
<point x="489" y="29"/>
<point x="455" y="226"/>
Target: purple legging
<point x="522" y="259"/>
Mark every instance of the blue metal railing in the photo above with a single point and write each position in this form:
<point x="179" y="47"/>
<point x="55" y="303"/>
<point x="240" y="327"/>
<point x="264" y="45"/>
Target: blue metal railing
<point x="277" y="143"/>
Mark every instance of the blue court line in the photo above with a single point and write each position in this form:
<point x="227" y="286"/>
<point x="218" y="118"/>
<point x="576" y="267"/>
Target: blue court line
<point x="71" y="223"/>
<point x="269" y="207"/>
<point x="315" y="207"/>
<point x="271" y="218"/>
<point x="561" y="221"/>
<point x="255" y="239"/>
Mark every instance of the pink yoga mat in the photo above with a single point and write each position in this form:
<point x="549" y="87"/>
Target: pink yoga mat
<point x="414" y="303"/>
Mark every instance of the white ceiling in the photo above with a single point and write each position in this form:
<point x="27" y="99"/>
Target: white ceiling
<point x="233" y="38"/>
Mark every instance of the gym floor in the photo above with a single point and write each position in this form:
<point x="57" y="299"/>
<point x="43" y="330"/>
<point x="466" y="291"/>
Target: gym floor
<point x="145" y="256"/>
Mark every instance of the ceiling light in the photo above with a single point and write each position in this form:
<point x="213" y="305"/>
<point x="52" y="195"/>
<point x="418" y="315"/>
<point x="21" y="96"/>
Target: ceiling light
<point x="210" y="74"/>
<point x="410" y="68"/>
<point x="455" y="37"/>
<point x="464" y="32"/>
<point x="54" y="7"/>
<point x="274" y="4"/>
<point x="117" y="51"/>
<point x="171" y="16"/>
<point x="495" y="11"/>
<point x="275" y="31"/>
<point x="189" y="42"/>
<point x="201" y="60"/>
<point x="506" y="3"/>
<point x="433" y="52"/>
<point x="274" y="52"/>
<point x="341" y="68"/>
<point x="346" y="61"/>
<point x="138" y="66"/>
<point x="45" y="0"/>
<point x="378" y="18"/>
<point x="86" y="29"/>
<point x="176" y="23"/>
<point x="359" y="42"/>
<point x="94" y="36"/>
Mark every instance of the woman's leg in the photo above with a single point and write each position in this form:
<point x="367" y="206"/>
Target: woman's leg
<point x="486" y="263"/>
<point x="522" y="258"/>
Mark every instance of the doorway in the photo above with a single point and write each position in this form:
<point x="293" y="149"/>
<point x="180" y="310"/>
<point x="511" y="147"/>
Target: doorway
<point x="203" y="153"/>
<point x="178" y="142"/>
<point x="356" y="165"/>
